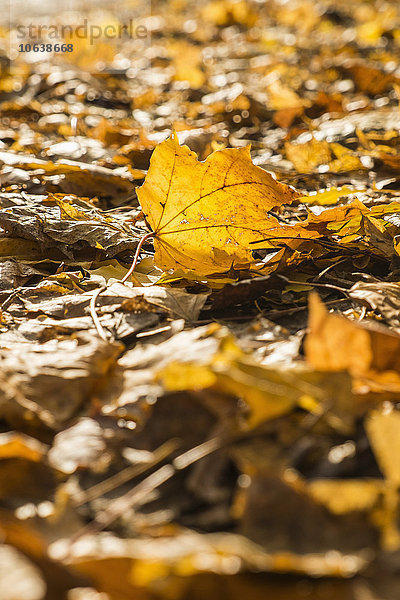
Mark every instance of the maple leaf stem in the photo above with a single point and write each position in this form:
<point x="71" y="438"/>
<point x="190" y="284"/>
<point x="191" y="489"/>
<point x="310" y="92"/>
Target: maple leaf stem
<point x="136" y="257"/>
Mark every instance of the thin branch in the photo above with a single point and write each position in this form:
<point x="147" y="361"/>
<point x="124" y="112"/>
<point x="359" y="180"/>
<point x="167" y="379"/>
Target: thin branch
<point x="312" y="284"/>
<point x="138" y="494"/>
<point x="109" y="484"/>
<point x="99" y="327"/>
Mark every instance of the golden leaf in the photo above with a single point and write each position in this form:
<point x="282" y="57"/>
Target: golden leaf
<point x="315" y="153"/>
<point x="305" y="157"/>
<point x="205" y="214"/>
<point x="346" y="495"/>
<point x="281" y="96"/>
<point x="16" y="445"/>
<point x="384" y="433"/>
<point x="187" y="62"/>
<point x="268" y="393"/>
<point x="328" y="197"/>
<point x="383" y="430"/>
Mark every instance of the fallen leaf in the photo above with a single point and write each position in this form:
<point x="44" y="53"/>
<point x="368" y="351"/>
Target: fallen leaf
<point x="382" y="297"/>
<point x="78" y="178"/>
<point x="19" y="577"/>
<point x="14" y="445"/>
<point x="383" y="431"/>
<point x="336" y="343"/>
<point x="327" y="197"/>
<point x="205" y="214"/>
<point x="34" y="373"/>
<point x="268" y="393"/>
<point x="187" y="553"/>
<point x="371" y="79"/>
<point x="333" y="157"/>
<point x="37" y="223"/>
<point x="344" y="496"/>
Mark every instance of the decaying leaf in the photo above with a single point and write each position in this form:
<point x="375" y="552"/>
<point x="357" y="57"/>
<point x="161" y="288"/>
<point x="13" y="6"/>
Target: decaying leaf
<point x="61" y="227"/>
<point x="76" y="178"/>
<point x="34" y="373"/>
<point x="268" y="393"/>
<point x="383" y="297"/>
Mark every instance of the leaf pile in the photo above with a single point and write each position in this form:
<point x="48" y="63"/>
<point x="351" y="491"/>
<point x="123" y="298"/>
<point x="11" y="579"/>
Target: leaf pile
<point x="222" y="421"/>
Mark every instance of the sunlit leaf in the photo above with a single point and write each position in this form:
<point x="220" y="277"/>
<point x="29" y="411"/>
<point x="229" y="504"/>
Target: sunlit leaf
<point x="205" y="214"/>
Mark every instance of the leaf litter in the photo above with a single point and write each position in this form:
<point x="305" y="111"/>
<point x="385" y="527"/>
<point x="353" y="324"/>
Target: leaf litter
<point x="199" y="326"/>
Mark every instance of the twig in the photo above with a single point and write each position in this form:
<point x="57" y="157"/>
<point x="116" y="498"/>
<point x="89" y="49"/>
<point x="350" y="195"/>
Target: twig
<point x="100" y="329"/>
<point x="312" y="284"/>
<point x="143" y="334"/>
<point x="138" y="494"/>
<point x="125" y="475"/>
<point x="9" y="300"/>
<point x="325" y="271"/>
<point x="288" y="311"/>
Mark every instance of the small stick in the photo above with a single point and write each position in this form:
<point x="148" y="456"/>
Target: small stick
<point x="312" y="284"/>
<point x="109" y="484"/>
<point x="100" y="329"/>
<point x="139" y="493"/>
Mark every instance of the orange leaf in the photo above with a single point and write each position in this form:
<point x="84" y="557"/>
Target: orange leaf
<point x="335" y="343"/>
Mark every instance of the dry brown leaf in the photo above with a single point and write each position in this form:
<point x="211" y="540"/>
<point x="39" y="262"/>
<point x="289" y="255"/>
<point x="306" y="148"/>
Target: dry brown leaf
<point x="35" y="373"/>
<point x="383" y="297"/>
<point x="267" y="392"/>
<point x="370" y="79"/>
<point x="80" y="178"/>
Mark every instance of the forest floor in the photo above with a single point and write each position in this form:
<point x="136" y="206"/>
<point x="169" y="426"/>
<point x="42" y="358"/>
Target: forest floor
<point x="200" y="296"/>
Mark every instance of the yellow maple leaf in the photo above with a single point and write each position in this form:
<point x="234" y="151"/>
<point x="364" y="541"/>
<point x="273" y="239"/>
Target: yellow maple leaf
<point x="205" y="214"/>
